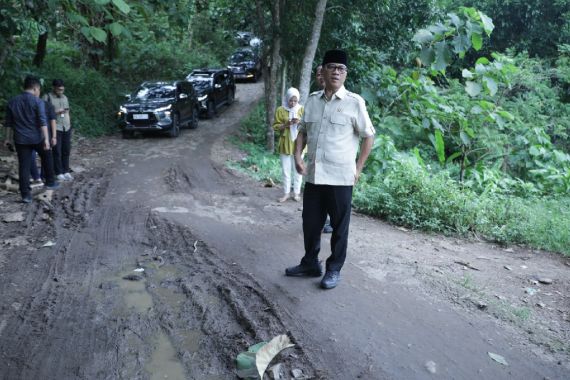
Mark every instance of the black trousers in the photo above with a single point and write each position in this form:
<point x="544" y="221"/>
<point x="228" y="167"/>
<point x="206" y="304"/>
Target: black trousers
<point x="61" y="152"/>
<point x="318" y="200"/>
<point x="25" y="163"/>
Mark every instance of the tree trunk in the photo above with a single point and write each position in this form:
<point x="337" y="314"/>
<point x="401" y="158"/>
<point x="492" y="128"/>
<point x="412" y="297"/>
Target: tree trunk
<point x="41" y="49"/>
<point x="271" y="66"/>
<point x="283" y="79"/>
<point x="310" y="50"/>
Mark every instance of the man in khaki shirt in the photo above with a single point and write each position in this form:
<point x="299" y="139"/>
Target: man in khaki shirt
<point x="62" y="150"/>
<point x="334" y="124"/>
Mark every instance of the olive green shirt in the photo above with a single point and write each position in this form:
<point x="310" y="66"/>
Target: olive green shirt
<point x="63" y="121"/>
<point x="332" y="129"/>
<point x="285" y="144"/>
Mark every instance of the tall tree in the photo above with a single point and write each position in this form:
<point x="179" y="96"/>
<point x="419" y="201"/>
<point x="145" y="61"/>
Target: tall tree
<point x="271" y="65"/>
<point x="311" y="49"/>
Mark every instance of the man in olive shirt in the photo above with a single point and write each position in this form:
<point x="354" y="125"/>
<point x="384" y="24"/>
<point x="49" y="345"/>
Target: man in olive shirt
<point x="334" y="122"/>
<point x="62" y="150"/>
<point x="26" y="121"/>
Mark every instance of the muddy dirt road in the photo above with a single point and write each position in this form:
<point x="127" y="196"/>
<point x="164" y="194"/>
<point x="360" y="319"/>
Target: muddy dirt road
<point x="214" y="244"/>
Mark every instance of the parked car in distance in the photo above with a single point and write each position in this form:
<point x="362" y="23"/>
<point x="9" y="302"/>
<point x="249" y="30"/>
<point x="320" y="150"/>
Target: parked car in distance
<point x="214" y="88"/>
<point x="160" y="107"/>
<point x="245" y="64"/>
<point x="243" y="38"/>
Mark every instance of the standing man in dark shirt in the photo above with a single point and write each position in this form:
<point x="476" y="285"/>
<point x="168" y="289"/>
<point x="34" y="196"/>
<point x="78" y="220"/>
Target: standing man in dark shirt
<point x="26" y="116"/>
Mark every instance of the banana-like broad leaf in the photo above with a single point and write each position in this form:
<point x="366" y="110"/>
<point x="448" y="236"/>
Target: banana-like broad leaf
<point x="269" y="351"/>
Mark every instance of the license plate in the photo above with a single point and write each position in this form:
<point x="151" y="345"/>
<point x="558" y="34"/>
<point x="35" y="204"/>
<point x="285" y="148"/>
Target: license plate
<point x="140" y="116"/>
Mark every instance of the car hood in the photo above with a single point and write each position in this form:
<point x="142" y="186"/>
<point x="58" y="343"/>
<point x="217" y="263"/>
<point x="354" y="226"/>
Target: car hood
<point x="148" y="105"/>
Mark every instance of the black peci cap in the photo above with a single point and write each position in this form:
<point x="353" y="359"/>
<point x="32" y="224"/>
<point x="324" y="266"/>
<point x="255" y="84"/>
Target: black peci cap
<point x="335" y="56"/>
<point x="57" y="83"/>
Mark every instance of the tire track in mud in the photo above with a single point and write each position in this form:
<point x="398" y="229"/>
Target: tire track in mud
<point x="211" y="309"/>
<point x="56" y="293"/>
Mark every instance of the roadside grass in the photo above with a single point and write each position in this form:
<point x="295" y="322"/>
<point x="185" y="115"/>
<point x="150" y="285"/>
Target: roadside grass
<point x="406" y="193"/>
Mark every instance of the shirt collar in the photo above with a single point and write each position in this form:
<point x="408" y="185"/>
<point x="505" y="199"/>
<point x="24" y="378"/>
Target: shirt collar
<point x="340" y="93"/>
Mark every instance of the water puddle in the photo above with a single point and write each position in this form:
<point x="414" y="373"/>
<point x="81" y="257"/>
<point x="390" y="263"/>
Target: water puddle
<point x="163" y="363"/>
<point x="135" y="295"/>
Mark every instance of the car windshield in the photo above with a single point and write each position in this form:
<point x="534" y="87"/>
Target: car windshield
<point x="241" y="56"/>
<point x="155" y="92"/>
<point x="200" y="83"/>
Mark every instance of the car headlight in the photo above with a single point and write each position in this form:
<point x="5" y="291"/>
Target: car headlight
<point x="202" y="98"/>
<point x="162" y="109"/>
<point x="122" y="111"/>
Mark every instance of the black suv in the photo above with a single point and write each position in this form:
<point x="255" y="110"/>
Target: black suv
<point x="160" y="107"/>
<point x="214" y="87"/>
<point x="245" y="64"/>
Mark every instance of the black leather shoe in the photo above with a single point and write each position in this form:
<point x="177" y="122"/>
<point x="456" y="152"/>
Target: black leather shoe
<point x="305" y="271"/>
<point x="331" y="279"/>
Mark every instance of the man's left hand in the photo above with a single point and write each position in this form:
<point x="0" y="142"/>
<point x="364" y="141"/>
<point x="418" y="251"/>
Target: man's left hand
<point x="46" y="145"/>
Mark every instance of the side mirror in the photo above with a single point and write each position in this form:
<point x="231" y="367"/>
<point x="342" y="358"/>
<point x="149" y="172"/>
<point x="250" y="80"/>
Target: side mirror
<point x="182" y="96"/>
<point x="128" y="97"/>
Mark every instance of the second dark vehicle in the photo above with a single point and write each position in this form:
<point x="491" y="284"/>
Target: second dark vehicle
<point x="160" y="107"/>
<point x="214" y="87"/>
<point x="245" y="64"/>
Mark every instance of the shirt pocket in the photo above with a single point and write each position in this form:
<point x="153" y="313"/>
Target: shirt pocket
<point x="339" y="141"/>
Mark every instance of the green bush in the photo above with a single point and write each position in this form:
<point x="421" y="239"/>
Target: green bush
<point x="258" y="163"/>
<point x="407" y="193"/>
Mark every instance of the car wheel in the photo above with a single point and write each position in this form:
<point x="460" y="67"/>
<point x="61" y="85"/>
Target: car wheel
<point x="128" y="134"/>
<point x="194" y="122"/>
<point x="231" y="96"/>
<point x="211" y="112"/>
<point x="175" y="130"/>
